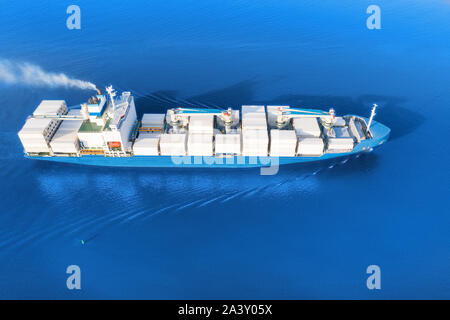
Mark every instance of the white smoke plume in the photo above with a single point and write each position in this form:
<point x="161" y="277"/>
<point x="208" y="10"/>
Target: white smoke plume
<point x="12" y="72"/>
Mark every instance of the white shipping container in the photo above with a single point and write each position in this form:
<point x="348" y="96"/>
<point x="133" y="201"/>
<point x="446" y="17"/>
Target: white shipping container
<point x="153" y="119"/>
<point x="146" y="145"/>
<point x="228" y="143"/>
<point x="283" y="143"/>
<point x="64" y="146"/>
<point x="51" y="107"/>
<point x="340" y="144"/>
<point x="283" y="136"/>
<point x="201" y="123"/>
<point x="200" y="144"/>
<point x="255" y="142"/>
<point x="65" y="139"/>
<point x="310" y="146"/>
<point x="306" y="127"/>
<point x="255" y="115"/>
<point x="252" y="109"/>
<point x="255" y="136"/>
<point x="173" y="144"/>
<point x="35" y="126"/>
<point x="34" y="145"/>
<point x="36" y="133"/>
<point x="254" y="123"/>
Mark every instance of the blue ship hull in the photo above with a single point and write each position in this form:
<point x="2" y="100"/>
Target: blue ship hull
<point x="380" y="134"/>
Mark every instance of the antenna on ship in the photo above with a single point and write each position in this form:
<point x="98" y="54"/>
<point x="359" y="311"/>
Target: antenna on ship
<point x="112" y="94"/>
<point x="372" y="114"/>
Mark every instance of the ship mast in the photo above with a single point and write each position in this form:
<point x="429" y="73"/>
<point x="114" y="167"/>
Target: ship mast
<point x="112" y="94"/>
<point x="372" y="114"/>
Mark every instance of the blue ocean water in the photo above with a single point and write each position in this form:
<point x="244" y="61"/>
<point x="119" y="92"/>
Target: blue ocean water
<point x="308" y="232"/>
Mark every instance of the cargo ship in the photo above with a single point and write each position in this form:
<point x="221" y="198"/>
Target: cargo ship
<point x="105" y="131"/>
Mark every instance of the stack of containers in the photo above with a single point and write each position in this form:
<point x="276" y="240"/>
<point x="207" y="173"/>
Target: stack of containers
<point x="338" y="145"/>
<point x="229" y="143"/>
<point x="339" y="140"/>
<point x="201" y="130"/>
<point x="51" y="107"/>
<point x="282" y="143"/>
<point x="173" y="144"/>
<point x="308" y="132"/>
<point x="306" y="127"/>
<point x="153" y="121"/>
<point x="310" y="146"/>
<point x="255" y="140"/>
<point x="37" y="133"/>
<point x="147" y="144"/>
<point x="200" y="144"/>
<point x="65" y="139"/>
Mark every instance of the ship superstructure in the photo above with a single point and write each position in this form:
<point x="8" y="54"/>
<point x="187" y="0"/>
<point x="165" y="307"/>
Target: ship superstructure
<point x="99" y="127"/>
<point x="106" y="127"/>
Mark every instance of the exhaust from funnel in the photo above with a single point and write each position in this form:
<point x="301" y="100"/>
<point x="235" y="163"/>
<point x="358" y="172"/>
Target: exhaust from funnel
<point x="24" y="73"/>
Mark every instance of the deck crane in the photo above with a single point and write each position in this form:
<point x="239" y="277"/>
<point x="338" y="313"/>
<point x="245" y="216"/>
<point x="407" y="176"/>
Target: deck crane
<point x="84" y="115"/>
<point x="84" y="112"/>
<point x="58" y="117"/>
<point x="285" y="114"/>
<point x="372" y="114"/>
<point x="225" y="115"/>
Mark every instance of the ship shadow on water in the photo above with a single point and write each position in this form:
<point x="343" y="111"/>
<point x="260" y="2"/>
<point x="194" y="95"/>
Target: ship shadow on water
<point x="233" y="96"/>
<point x="392" y="110"/>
